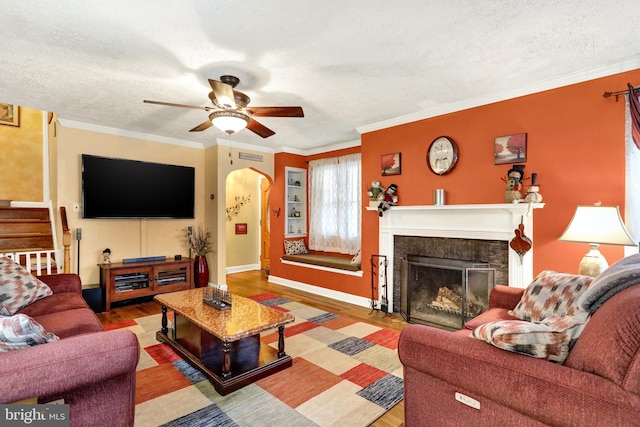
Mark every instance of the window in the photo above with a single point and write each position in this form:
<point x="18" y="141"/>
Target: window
<point x="335" y="204"/>
<point x="632" y="202"/>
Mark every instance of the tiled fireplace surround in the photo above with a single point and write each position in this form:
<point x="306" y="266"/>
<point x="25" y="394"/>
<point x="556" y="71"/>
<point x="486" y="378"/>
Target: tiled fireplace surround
<point x="478" y="232"/>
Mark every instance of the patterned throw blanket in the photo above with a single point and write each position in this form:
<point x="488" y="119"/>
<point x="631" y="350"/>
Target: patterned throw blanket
<point x="620" y="276"/>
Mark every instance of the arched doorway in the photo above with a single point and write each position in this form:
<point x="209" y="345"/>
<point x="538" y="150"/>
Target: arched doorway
<point x="248" y="238"/>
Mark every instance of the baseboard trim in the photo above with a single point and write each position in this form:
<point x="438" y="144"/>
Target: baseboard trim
<point x="324" y="292"/>
<point x="241" y="268"/>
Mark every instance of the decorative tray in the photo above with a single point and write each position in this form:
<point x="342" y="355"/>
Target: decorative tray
<point x="217" y="298"/>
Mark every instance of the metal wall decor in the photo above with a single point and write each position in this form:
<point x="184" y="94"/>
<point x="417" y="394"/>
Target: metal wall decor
<point x="234" y="210"/>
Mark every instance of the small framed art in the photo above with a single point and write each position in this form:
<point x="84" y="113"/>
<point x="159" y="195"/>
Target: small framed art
<point x="241" y="228"/>
<point x="510" y="149"/>
<point x="9" y="115"/>
<point x="390" y="164"/>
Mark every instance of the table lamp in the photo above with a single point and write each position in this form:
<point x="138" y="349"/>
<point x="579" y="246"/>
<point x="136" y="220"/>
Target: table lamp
<point x="596" y="225"/>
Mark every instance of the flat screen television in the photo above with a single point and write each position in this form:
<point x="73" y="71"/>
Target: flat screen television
<point x="121" y="188"/>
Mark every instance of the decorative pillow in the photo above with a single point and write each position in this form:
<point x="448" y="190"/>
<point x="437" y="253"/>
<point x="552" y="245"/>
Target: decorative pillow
<point x="551" y="294"/>
<point x="295" y="247"/>
<point x="18" y="287"/>
<point x="551" y="339"/>
<point x="619" y="276"/>
<point x="21" y="331"/>
<point x="357" y="258"/>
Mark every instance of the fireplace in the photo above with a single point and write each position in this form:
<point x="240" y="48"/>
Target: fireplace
<point x="460" y="253"/>
<point x="444" y="292"/>
<point x="460" y="225"/>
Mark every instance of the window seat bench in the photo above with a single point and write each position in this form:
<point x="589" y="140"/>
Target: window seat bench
<point x="337" y="262"/>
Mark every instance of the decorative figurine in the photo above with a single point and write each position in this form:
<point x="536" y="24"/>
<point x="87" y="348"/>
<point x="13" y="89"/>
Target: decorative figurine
<point x="375" y="191"/>
<point x="389" y="198"/>
<point x="514" y="184"/>
<point x="106" y="256"/>
<point x="533" y="194"/>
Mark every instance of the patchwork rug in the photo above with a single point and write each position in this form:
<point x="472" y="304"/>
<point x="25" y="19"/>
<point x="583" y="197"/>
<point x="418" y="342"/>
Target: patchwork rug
<point x="344" y="373"/>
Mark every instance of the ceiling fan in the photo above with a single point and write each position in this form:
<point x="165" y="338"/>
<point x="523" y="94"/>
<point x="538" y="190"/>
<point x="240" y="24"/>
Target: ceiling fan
<point x="230" y="112"/>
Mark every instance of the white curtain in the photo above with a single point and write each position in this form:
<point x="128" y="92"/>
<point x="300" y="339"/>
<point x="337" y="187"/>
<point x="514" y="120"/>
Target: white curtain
<point x="632" y="174"/>
<point x="335" y="204"/>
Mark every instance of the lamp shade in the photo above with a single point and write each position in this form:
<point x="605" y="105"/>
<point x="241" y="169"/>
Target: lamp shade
<point x="229" y="121"/>
<point x="597" y="224"/>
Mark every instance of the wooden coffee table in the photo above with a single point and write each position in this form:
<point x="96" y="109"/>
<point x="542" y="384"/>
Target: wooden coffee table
<point x="224" y="344"/>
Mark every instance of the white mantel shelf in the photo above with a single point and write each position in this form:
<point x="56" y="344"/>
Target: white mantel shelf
<point x="472" y="221"/>
<point x="512" y="207"/>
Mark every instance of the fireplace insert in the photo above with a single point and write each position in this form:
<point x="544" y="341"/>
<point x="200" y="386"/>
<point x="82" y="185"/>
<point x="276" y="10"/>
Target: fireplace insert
<point x="443" y="292"/>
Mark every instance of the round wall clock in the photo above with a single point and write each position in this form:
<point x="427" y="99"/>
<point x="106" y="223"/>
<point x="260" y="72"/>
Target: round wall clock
<point x="442" y="155"/>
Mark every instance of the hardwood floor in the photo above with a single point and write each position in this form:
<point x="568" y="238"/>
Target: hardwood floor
<point x="254" y="282"/>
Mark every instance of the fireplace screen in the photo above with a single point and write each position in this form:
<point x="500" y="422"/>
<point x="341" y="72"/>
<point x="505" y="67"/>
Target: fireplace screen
<point x="444" y="292"/>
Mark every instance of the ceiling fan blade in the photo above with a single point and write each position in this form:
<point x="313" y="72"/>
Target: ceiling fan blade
<point x="170" y="104"/>
<point x="223" y="93"/>
<point x="276" y="111"/>
<point x="259" y="129"/>
<point x="202" y="126"/>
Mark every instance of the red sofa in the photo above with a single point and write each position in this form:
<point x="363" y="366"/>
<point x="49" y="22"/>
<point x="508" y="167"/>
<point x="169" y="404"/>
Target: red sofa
<point x="598" y="384"/>
<point x="93" y="370"/>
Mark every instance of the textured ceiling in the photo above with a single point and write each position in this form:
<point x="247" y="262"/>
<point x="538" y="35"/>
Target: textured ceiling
<point x="351" y="64"/>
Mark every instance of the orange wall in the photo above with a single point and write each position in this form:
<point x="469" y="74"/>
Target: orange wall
<point x="575" y="142"/>
<point x="338" y="282"/>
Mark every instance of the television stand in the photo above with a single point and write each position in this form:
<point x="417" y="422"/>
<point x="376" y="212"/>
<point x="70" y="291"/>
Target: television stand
<point x="120" y="281"/>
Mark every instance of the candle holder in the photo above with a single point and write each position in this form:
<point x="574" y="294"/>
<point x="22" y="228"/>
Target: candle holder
<point x="217" y="298"/>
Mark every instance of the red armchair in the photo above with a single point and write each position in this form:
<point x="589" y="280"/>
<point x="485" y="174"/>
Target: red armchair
<point x="452" y="379"/>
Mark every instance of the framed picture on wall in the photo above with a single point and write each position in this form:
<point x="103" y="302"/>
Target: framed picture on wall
<point x="510" y="149"/>
<point x="9" y="115"/>
<point x="241" y="228"/>
<point x="390" y="164"/>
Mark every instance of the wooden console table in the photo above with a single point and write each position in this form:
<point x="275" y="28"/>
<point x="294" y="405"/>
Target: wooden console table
<point x="121" y="282"/>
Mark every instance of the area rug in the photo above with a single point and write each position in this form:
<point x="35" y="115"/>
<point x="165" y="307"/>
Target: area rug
<point x="344" y="373"/>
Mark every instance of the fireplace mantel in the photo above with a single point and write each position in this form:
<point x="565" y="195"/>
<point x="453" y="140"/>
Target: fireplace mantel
<point x="473" y="221"/>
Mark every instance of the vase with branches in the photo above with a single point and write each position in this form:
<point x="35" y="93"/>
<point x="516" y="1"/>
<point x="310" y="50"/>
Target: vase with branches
<point x="198" y="240"/>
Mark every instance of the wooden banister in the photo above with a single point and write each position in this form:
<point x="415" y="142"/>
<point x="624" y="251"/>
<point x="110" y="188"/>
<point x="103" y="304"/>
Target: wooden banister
<point x="66" y="240"/>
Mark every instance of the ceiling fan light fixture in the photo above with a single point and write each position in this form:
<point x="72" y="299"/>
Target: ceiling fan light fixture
<point x="229" y="121"/>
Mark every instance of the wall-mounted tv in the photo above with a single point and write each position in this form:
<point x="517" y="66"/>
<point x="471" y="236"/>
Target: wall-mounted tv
<point x="121" y="188"/>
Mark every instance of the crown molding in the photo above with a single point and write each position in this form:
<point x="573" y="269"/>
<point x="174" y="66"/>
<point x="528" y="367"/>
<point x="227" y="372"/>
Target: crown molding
<point x="320" y="150"/>
<point x="242" y="145"/>
<point x="290" y="150"/>
<point x="333" y="147"/>
<point x="554" y="83"/>
<point x="127" y="133"/>
<point x="217" y="141"/>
